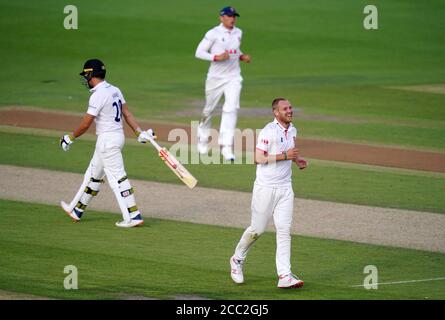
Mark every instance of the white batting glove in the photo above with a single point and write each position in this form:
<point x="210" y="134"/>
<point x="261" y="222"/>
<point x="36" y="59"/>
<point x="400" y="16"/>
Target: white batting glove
<point x="145" y="136"/>
<point x="66" y="141"/>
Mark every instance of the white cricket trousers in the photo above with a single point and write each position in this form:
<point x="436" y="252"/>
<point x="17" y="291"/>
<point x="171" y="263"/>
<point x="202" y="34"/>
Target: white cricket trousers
<point x="215" y="88"/>
<point x="270" y="202"/>
<point x="107" y="160"/>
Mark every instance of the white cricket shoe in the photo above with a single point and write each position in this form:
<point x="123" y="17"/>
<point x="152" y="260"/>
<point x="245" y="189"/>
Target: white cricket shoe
<point x="203" y="147"/>
<point x="71" y="213"/>
<point x="289" y="281"/>
<point x="236" y="270"/>
<point x="227" y="153"/>
<point x="130" y="224"/>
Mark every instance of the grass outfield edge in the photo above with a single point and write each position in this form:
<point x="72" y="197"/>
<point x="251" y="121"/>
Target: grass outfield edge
<point x="182" y="124"/>
<point x="327" y="163"/>
<point x="329" y="267"/>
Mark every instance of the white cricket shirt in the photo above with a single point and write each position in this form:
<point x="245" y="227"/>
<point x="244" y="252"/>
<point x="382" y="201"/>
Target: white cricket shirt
<point x="105" y="104"/>
<point x="215" y="42"/>
<point x="275" y="139"/>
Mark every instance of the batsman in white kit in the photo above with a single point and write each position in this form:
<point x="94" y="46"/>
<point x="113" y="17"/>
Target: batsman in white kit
<point x="221" y="46"/>
<point x="272" y="194"/>
<point x="107" y="107"/>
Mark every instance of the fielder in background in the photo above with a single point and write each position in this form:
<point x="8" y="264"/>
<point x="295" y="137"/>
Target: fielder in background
<point x="107" y="107"/>
<point x="221" y="45"/>
<point x="272" y="193"/>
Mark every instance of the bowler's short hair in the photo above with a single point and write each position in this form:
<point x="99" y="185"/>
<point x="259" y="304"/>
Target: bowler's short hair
<point x="276" y="101"/>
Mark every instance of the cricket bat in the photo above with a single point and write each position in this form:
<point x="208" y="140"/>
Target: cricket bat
<point x="175" y="165"/>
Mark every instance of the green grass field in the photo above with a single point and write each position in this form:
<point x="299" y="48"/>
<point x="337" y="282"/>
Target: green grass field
<point x="341" y="80"/>
<point x="165" y="259"/>
<point x="317" y="54"/>
<point x="322" y="181"/>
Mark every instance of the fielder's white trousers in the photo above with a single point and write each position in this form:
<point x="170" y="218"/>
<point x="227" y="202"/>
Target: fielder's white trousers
<point x="268" y="202"/>
<point x="215" y="89"/>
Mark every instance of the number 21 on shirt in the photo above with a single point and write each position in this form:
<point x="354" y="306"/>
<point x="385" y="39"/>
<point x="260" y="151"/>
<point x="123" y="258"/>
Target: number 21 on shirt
<point x="118" y="106"/>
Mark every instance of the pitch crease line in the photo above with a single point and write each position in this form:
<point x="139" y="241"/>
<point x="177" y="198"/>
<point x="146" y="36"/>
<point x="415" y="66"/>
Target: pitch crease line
<point x="400" y="282"/>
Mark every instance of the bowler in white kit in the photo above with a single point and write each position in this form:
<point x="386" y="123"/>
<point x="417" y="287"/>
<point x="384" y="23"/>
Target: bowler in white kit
<point x="108" y="108"/>
<point x="273" y="196"/>
<point x="221" y="46"/>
